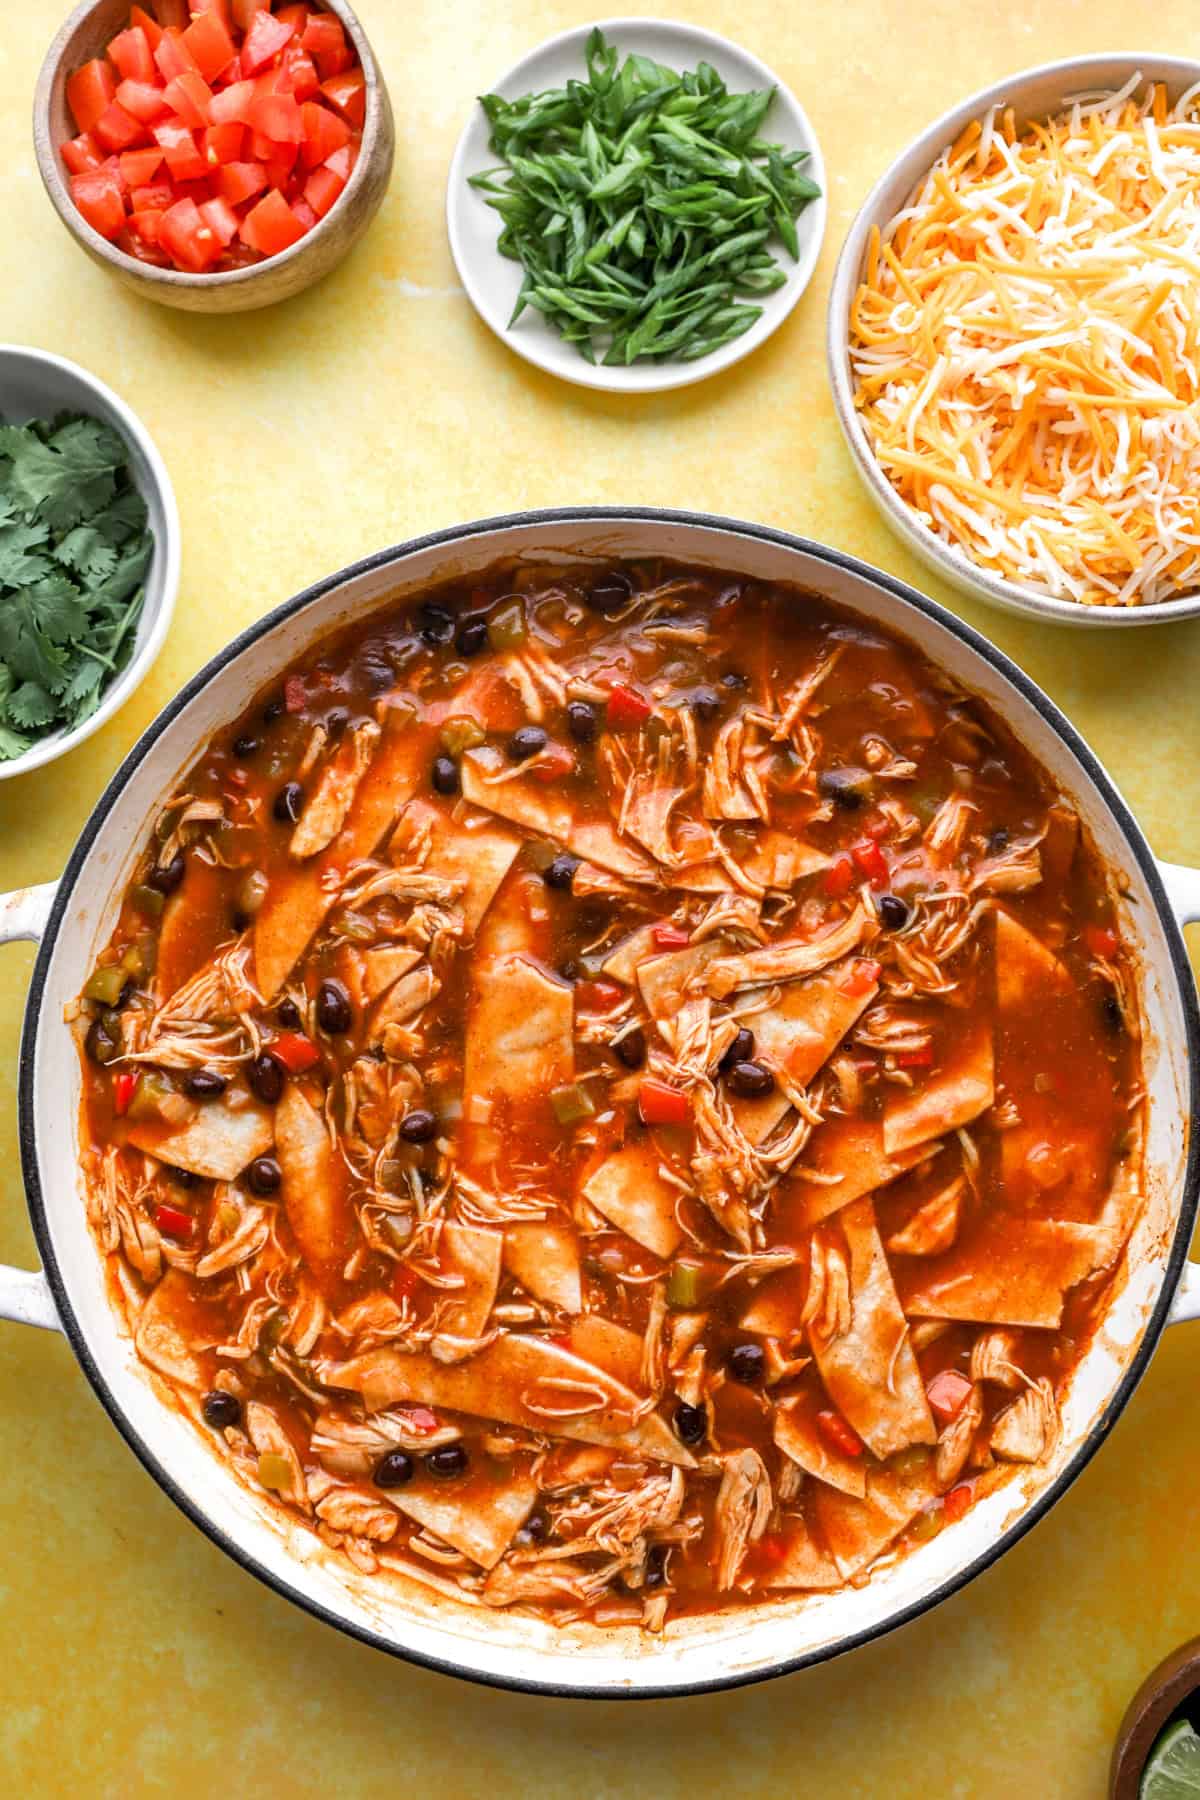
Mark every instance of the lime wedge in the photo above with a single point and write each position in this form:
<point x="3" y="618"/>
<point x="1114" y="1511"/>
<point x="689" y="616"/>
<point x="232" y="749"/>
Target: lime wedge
<point x="1173" y="1772"/>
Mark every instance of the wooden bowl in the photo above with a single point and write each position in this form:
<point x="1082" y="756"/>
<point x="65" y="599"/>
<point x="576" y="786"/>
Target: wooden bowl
<point x="1162" y="1693"/>
<point x="84" y="35"/>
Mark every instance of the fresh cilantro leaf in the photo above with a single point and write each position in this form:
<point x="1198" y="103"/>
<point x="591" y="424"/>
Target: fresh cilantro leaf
<point x="67" y="478"/>
<point x="30" y="705"/>
<point x="12" y="743"/>
<point x="126" y="515"/>
<point x="85" y="551"/>
<point x="22" y="547"/>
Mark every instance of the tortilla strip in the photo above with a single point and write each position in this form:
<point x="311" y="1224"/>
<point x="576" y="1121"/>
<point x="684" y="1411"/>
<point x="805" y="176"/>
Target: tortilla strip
<point x="540" y="809"/>
<point x="608" y="1346"/>
<point x="479" y="855"/>
<point x="473" y="1252"/>
<point x="852" y="1149"/>
<point x="798" y="1436"/>
<point x="963" y="1088"/>
<point x="628" y="1189"/>
<point x="797" y="1036"/>
<point x="330" y="800"/>
<point x="857" y="1530"/>
<point x="630" y="953"/>
<point x="216" y="1143"/>
<point x="544" y="1258"/>
<point x="501" y="1380"/>
<point x="870" y="1373"/>
<point x="166" y="1334"/>
<point x="778" y="860"/>
<point x="777" y="1303"/>
<point x="665" y="980"/>
<point x="314" y="1182"/>
<point x="803" y="1564"/>
<point x="1026" y="972"/>
<point x="1000" y="1275"/>
<point x="519" y="1039"/>
<point x="479" y="1516"/>
<point x="382" y="966"/>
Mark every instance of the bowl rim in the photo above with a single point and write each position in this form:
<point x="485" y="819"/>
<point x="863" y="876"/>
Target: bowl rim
<point x="48" y="155"/>
<point x="912" y="162"/>
<point x="48" y="749"/>
<point x="664" y="377"/>
<point x="1176" y="961"/>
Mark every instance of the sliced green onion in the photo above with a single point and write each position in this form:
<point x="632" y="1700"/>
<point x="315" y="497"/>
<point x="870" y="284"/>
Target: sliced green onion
<point x="506" y="627"/>
<point x="683" y="1285"/>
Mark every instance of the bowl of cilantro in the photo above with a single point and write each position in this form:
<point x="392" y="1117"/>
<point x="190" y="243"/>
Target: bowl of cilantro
<point x="89" y="556"/>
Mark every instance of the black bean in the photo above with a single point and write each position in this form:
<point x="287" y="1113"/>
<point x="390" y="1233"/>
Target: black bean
<point x="571" y="969"/>
<point x="245" y="747"/>
<point x="706" y="704"/>
<point x="264" y="1176"/>
<point x="691" y="1423"/>
<point x="239" y="920"/>
<point x="656" y="1567"/>
<point x="733" y="678"/>
<point x="893" y="913"/>
<point x="288" y="803"/>
<point x="750" y="1079"/>
<point x="526" y="742"/>
<point x="445" y="775"/>
<point x="205" y="1084"/>
<point x="336" y="723"/>
<point x="334" y="1013"/>
<point x="1111" y="1013"/>
<point x="471" y="636"/>
<point x="535" y="1530"/>
<point x="741" y="1050"/>
<point x="561" y="872"/>
<point x="168" y="877"/>
<point x="221" y="1409"/>
<point x="377" y="671"/>
<point x="394" y="1469"/>
<point x="998" y="840"/>
<point x="583" y="721"/>
<point x="847" y="788"/>
<point x="631" y="1048"/>
<point x="288" y="1014"/>
<point x="266" y="1075"/>
<point x="100" y="1043"/>
<point x="183" y="1178"/>
<point x="273" y="710"/>
<point x="418" y="1126"/>
<point x="448" y="1460"/>
<point x="609" y="593"/>
<point x="436" y="624"/>
<point x="747" y="1363"/>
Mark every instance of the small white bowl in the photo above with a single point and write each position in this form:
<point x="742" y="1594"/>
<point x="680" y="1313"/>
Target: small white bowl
<point x="36" y="385"/>
<point x="493" y="281"/>
<point x="1033" y="94"/>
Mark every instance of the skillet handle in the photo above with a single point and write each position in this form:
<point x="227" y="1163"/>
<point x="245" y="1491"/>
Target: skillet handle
<point x="25" y="1293"/>
<point x="1183" y="891"/>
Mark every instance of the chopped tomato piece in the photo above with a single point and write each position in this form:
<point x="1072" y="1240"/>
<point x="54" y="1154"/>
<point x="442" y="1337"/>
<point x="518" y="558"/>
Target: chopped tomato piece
<point x="669" y="937"/>
<point x="870" y="860"/>
<point x="90" y="91"/>
<point x="223" y="144"/>
<point x="172" y="55"/>
<point x="308" y="219"/>
<point x="179" y="146"/>
<point x="173" y="1223"/>
<point x="298" y="74"/>
<point x="143" y="100"/>
<point x="123" y="1091"/>
<point x="838" y="1435"/>
<point x="598" y="995"/>
<point x="325" y="42"/>
<point x="946" y="1394"/>
<point x="861" y="975"/>
<point x="186" y="238"/>
<point x="419" y="1418"/>
<point x="82" y="152"/>
<point x="132" y="56"/>
<point x="139" y="167"/>
<point x="222" y="218"/>
<point x="839" y="876"/>
<point x="173" y="15"/>
<point x="119" y="130"/>
<point x="342" y="161"/>
<point x="231" y="106"/>
<point x="659" y="1104"/>
<point x="277" y="117"/>
<point x="321" y="190"/>
<point x="555" y="760"/>
<point x="296" y="16"/>
<point x="627" y="707"/>
<point x="144" y="224"/>
<point x="294" y="1051"/>
<point x="324" y="132"/>
<point x="244" y="11"/>
<point x="915" y="1059"/>
<point x="190" y="96"/>
<point x="157" y="197"/>
<point x="143" y="21"/>
<point x="209" y="44"/>
<point x="264" y="40"/>
<point x="240" y="181"/>
<point x="295" y="694"/>
<point x="97" y="194"/>
<point x="1101" y="940"/>
<point x="405" y="1283"/>
<point x="348" y="93"/>
<point x="958" y="1500"/>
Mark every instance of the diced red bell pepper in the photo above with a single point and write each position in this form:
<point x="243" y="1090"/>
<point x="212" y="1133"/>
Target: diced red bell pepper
<point x="82" y="152"/>
<point x="179" y="146"/>
<point x="298" y="74"/>
<point x="271" y="226"/>
<point x="958" y="1500"/>
<point x="154" y="198"/>
<point x="189" y="242"/>
<point x="295" y="1051"/>
<point x="946" y="1394"/>
<point x="118" y="130"/>
<point x="598" y="995"/>
<point x="627" y="707"/>
<point x="223" y="144"/>
<point x="324" y="132"/>
<point x="322" y="189"/>
<point x="139" y="167"/>
<point x="669" y="937"/>
<point x="143" y="21"/>
<point x="838" y="1435"/>
<point x="123" y="1088"/>
<point x="277" y="117"/>
<point x="231" y="105"/>
<point x="131" y="55"/>
<point x="222" y="218"/>
<point x="871" y="860"/>
<point x="143" y="100"/>
<point x="97" y="194"/>
<point x="263" y="42"/>
<point x="172" y="55"/>
<point x="209" y="44"/>
<point x="90" y="91"/>
<point x="348" y="93"/>
<point x="190" y="98"/>
<point x="1101" y="940"/>
<point x="838" y="878"/>
<point x="173" y="1223"/>
<point x="659" y="1104"/>
<point x="238" y="182"/>
<point x="915" y="1059"/>
<point x="325" y="42"/>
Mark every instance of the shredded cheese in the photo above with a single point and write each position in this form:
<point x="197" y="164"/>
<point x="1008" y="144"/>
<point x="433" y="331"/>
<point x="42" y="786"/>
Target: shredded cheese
<point x="1026" y="348"/>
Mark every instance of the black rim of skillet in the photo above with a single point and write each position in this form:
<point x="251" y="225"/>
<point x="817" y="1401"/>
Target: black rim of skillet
<point x="617" y="516"/>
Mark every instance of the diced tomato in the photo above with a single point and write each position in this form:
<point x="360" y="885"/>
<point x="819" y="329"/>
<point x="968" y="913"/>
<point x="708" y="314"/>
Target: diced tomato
<point x="244" y="11"/>
<point x="90" y="91"/>
<point x="123" y="1088"/>
<point x="155" y="198"/>
<point x="419" y="1418"/>
<point x="143" y="21"/>
<point x="862" y="975"/>
<point x="189" y="242"/>
<point x="871" y="860"/>
<point x="190" y="97"/>
<point x="838" y="1435"/>
<point x="294" y="1051"/>
<point x="223" y="144"/>
<point x="308" y="219"/>
<point x="555" y="760"/>
<point x="659" y="1104"/>
<point x="958" y="1500"/>
<point x="131" y="55"/>
<point x="342" y="161"/>
<point x="295" y="16"/>
<point x="298" y="74"/>
<point x="172" y="55"/>
<point x="946" y="1395"/>
<point x="231" y="105"/>
<point x="142" y="100"/>
<point x="271" y="226"/>
<point x="144" y="223"/>
<point x="295" y="694"/>
<point x="348" y="93"/>
<point x="839" y="876"/>
<point x="915" y="1059"/>
<point x="173" y="15"/>
<point x="627" y="707"/>
<point x="238" y="182"/>
<point x="325" y="42"/>
<point x="321" y="190"/>
<point x="324" y="132"/>
<point x="1101" y="940"/>
<point x="139" y="167"/>
<point x="97" y="194"/>
<point x="82" y="152"/>
<point x="264" y="40"/>
<point x="405" y="1283"/>
<point x="277" y="117"/>
<point x="118" y="130"/>
<point x="598" y="995"/>
<point x="209" y="43"/>
<point x="173" y="1223"/>
<point x="669" y="937"/>
<point x="182" y="153"/>
<point x="221" y="216"/>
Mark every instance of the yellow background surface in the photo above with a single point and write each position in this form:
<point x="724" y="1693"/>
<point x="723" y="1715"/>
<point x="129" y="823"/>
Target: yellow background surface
<point x="137" y="1659"/>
